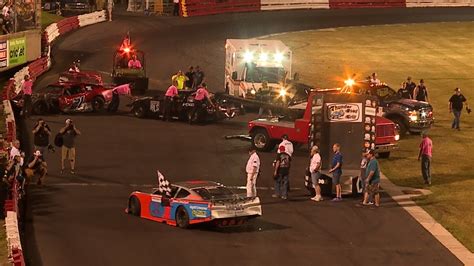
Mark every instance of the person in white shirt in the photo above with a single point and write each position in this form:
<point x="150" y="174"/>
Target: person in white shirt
<point x="287" y="144"/>
<point x="315" y="170"/>
<point x="15" y="151"/>
<point x="252" y="169"/>
<point x="374" y="81"/>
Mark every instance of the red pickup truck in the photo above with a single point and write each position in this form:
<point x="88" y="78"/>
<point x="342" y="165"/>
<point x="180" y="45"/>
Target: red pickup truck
<point x="266" y="133"/>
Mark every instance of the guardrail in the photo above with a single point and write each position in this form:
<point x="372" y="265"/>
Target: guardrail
<point x="191" y="8"/>
<point x="11" y="89"/>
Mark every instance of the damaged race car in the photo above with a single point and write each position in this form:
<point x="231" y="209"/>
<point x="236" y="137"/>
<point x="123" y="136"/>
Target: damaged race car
<point x="87" y="77"/>
<point x="182" y="107"/>
<point x="76" y="97"/>
<point x="193" y="202"/>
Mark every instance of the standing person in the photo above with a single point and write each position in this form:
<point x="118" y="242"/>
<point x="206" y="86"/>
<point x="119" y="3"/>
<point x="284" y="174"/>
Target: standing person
<point x="190" y="78"/>
<point x="198" y="77"/>
<point x="336" y="170"/>
<point x="315" y="170"/>
<point x="41" y="133"/>
<point x="170" y="94"/>
<point x="363" y="167"/>
<point x="287" y="144"/>
<point x="27" y="90"/>
<point x="180" y="79"/>
<point x="281" y="173"/>
<point x="175" y="7"/>
<point x="36" y="166"/>
<point x="456" y="103"/>
<point x="374" y="81"/>
<point x="425" y="154"/>
<point x="421" y="93"/>
<point x="15" y="151"/>
<point x="110" y="6"/>
<point x="403" y="91"/>
<point x="68" y="151"/>
<point x="410" y="86"/>
<point x="201" y="95"/>
<point x="252" y="169"/>
<point x="373" y="179"/>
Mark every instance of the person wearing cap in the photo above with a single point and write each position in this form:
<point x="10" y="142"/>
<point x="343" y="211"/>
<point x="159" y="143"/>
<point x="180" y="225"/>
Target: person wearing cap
<point x="456" y="103"/>
<point x="27" y="90"/>
<point x="287" y="144"/>
<point x="281" y="173"/>
<point x="170" y="95"/>
<point x="421" y="92"/>
<point x="315" y="170"/>
<point x="201" y="96"/>
<point x="425" y="154"/>
<point x="336" y="170"/>
<point x="36" y="166"/>
<point x="373" y="179"/>
<point x="252" y="169"/>
<point x="410" y="87"/>
<point x="68" y="150"/>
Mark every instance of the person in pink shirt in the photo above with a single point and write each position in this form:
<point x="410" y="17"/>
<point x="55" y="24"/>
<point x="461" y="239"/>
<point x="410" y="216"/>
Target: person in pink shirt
<point x="27" y="90"/>
<point x="170" y="95"/>
<point x="134" y="63"/>
<point x="201" y="96"/>
<point x="425" y="154"/>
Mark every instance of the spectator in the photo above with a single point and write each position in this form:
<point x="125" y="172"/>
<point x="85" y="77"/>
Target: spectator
<point x="180" y="79"/>
<point x="41" y="133"/>
<point x="410" y="86"/>
<point x="374" y="81"/>
<point x="36" y="166"/>
<point x="425" y="154"/>
<point x="198" y="77"/>
<point x="68" y="151"/>
<point x="110" y="6"/>
<point x="252" y="169"/>
<point x="315" y="170"/>
<point x="201" y="95"/>
<point x="175" y="7"/>
<point x="15" y="151"/>
<point x="27" y="90"/>
<point x="287" y="144"/>
<point x="456" y="103"/>
<point x="363" y="167"/>
<point x="190" y="78"/>
<point x="373" y="179"/>
<point x="170" y="94"/>
<point x="134" y="63"/>
<point x="421" y="93"/>
<point x="13" y="169"/>
<point x="404" y="92"/>
<point x="336" y="170"/>
<point x="281" y="173"/>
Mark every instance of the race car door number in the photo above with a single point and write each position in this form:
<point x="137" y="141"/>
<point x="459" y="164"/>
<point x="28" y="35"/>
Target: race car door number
<point x="77" y="102"/>
<point x="154" y="106"/>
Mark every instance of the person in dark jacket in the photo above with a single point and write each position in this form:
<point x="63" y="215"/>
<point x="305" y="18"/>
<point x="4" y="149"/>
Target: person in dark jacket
<point x="41" y="133"/>
<point x="456" y="103"/>
<point x="410" y="86"/>
<point x="421" y="92"/>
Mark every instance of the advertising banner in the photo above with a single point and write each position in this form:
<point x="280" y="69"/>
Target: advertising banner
<point x="3" y="54"/>
<point x="16" y="51"/>
<point x="343" y="112"/>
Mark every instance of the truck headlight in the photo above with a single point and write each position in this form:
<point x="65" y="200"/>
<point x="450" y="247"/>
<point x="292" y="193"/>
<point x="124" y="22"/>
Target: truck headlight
<point x="282" y="92"/>
<point x="397" y="137"/>
<point x="253" y="91"/>
<point x="413" y="115"/>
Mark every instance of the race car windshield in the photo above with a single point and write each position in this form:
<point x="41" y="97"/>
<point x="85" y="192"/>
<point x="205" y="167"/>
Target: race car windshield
<point x="260" y="74"/>
<point x="214" y="193"/>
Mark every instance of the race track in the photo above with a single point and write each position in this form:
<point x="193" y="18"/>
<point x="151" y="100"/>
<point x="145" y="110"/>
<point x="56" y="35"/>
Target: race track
<point x="80" y="220"/>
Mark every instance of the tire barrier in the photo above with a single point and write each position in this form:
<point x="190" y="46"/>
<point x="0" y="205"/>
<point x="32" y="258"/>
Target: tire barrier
<point x="11" y="89"/>
<point x="191" y="8"/>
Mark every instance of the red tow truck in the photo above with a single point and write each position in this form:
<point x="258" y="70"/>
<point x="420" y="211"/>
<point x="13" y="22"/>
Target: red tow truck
<point x="297" y="123"/>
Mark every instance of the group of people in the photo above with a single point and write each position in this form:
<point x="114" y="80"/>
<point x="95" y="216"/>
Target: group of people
<point x="6" y="18"/>
<point x="191" y="80"/>
<point x="410" y="90"/>
<point x="370" y="172"/>
<point x="36" y="165"/>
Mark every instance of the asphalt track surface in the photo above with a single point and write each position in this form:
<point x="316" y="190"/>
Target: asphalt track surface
<point x="80" y="220"/>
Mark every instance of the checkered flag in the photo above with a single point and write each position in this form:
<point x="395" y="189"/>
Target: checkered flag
<point x="163" y="184"/>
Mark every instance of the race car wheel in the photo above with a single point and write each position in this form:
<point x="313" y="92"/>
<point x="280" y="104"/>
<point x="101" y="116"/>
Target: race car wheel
<point x="98" y="104"/>
<point x="182" y="217"/>
<point x="139" y="111"/>
<point x="134" y="206"/>
<point x="40" y="108"/>
<point x="261" y="140"/>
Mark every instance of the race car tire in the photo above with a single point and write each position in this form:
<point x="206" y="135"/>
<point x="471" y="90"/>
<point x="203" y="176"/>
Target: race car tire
<point x="182" y="217"/>
<point x="40" y="108"/>
<point x="261" y="140"/>
<point x="134" y="207"/>
<point x="98" y="104"/>
<point x="139" y="111"/>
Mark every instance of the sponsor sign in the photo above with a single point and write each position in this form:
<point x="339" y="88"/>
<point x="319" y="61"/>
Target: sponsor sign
<point x="370" y="111"/>
<point x="3" y="54"/>
<point x="343" y="112"/>
<point x="16" y="51"/>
